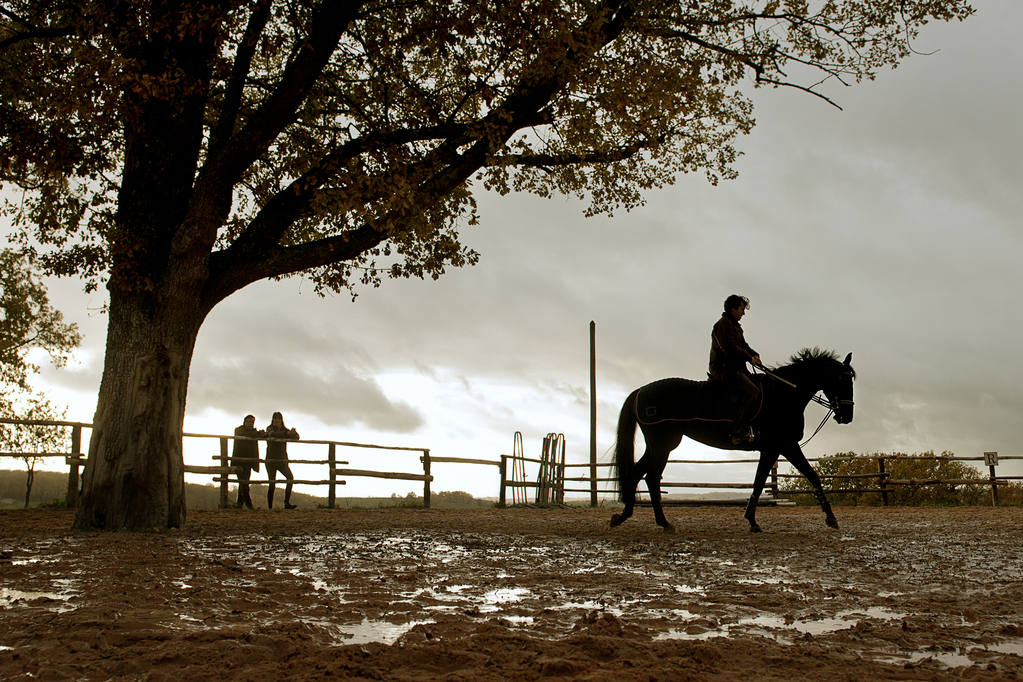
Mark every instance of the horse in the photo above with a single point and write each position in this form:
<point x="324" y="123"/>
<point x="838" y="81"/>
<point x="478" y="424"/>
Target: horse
<point x="669" y="409"/>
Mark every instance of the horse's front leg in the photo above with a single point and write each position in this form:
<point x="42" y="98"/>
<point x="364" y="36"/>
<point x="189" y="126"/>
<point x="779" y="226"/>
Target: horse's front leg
<point x="767" y="461"/>
<point x="822" y="500"/>
<point x="797" y="459"/>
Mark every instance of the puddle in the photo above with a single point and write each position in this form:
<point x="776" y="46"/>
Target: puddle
<point x="505" y="596"/>
<point x="943" y="659"/>
<point x="1008" y="647"/>
<point x="769" y="625"/>
<point x="375" y="631"/>
<point x="50" y="600"/>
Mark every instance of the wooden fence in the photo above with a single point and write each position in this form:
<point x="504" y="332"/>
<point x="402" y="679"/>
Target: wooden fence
<point x="224" y="474"/>
<point x="885" y="482"/>
<point x="551" y="482"/>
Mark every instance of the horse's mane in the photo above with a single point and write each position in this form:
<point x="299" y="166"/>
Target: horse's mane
<point x="812" y="356"/>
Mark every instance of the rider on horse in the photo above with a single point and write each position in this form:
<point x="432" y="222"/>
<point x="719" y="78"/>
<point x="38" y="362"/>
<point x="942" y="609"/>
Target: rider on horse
<point x="729" y="354"/>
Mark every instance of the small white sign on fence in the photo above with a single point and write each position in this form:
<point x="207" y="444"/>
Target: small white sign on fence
<point x="990" y="459"/>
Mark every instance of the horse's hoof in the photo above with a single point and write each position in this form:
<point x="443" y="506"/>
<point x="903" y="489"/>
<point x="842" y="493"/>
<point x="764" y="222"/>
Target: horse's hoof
<point x="832" y="522"/>
<point x="616" y="520"/>
<point x="670" y="529"/>
<point x="754" y="528"/>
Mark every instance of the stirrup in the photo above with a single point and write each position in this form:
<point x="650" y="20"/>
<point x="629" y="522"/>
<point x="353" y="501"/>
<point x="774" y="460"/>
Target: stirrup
<point x="742" y="438"/>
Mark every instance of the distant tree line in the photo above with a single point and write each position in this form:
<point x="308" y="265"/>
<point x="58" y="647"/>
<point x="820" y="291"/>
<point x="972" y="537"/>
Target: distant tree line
<point x="901" y="466"/>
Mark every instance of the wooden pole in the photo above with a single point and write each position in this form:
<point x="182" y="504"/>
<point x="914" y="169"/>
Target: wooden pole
<point x="994" y="487"/>
<point x="72" y="477"/>
<point x="223" y="483"/>
<point x="991" y="459"/>
<point x="502" y="501"/>
<point x="882" y="477"/>
<point x="593" y="413"/>
<point x="332" y="463"/>
<point x="426" y="483"/>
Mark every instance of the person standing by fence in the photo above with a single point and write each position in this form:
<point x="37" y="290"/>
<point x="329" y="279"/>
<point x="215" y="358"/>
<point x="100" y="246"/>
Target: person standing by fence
<point x="245" y="456"/>
<point x="277" y="458"/>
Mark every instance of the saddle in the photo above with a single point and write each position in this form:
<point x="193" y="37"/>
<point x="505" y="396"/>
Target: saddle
<point x="677" y="399"/>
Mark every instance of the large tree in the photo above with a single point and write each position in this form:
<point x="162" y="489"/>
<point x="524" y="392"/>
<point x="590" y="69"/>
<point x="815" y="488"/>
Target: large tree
<point x="180" y="150"/>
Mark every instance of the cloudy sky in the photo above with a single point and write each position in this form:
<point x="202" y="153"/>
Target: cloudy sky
<point x="890" y="229"/>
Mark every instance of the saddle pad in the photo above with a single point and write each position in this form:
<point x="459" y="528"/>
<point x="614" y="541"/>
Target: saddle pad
<point x="684" y="399"/>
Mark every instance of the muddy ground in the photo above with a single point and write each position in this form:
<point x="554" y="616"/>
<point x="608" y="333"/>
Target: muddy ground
<point x="520" y="594"/>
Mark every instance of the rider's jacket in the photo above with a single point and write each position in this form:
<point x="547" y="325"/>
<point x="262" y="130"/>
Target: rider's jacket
<point x="729" y="351"/>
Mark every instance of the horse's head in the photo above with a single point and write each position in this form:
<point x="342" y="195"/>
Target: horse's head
<point x="839" y="390"/>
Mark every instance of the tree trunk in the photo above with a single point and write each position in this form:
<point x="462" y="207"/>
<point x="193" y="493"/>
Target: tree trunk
<point x="134" y="476"/>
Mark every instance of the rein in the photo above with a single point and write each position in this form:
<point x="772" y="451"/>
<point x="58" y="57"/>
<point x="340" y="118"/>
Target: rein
<point x="831" y="410"/>
<point x="821" y="401"/>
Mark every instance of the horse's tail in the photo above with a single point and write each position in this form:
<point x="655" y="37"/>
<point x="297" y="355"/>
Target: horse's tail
<point x="625" y="450"/>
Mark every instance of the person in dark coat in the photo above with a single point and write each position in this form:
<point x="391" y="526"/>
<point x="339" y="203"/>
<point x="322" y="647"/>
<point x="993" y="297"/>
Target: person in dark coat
<point x="729" y="354"/>
<point x="245" y="457"/>
<point x="277" y="458"/>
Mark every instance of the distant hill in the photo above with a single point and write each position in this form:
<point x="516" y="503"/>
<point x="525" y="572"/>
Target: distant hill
<point x="50" y="487"/>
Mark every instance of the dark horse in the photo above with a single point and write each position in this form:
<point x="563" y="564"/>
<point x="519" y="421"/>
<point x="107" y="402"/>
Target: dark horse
<point x="669" y="409"/>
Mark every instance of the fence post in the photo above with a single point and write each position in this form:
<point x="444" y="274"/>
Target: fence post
<point x="72" y="477"/>
<point x="882" y="476"/>
<point x="774" y="480"/>
<point x="331" y="457"/>
<point x="426" y="482"/>
<point x="224" y="504"/>
<point x="502" y="501"/>
<point x="991" y="459"/>
<point x="561" y="469"/>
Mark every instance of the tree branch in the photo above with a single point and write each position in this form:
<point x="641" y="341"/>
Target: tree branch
<point x="239" y="72"/>
<point x="592" y="157"/>
<point x="328" y="24"/>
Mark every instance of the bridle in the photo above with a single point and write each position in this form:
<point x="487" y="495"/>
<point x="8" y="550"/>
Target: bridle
<point x="833" y="405"/>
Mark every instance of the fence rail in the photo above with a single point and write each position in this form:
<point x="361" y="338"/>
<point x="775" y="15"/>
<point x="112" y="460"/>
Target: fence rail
<point x="551" y="482"/>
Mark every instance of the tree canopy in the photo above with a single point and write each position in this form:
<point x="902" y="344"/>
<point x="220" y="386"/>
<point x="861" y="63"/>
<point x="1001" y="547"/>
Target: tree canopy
<point x="341" y="139"/>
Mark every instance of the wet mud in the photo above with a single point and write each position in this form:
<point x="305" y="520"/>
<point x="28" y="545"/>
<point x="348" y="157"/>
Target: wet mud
<point x="523" y="594"/>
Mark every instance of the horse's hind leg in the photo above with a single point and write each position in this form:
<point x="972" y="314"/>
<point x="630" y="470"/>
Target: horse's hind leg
<point x="798" y="460"/>
<point x="628" y="488"/>
<point x="658" y="449"/>
<point x="653" y="484"/>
